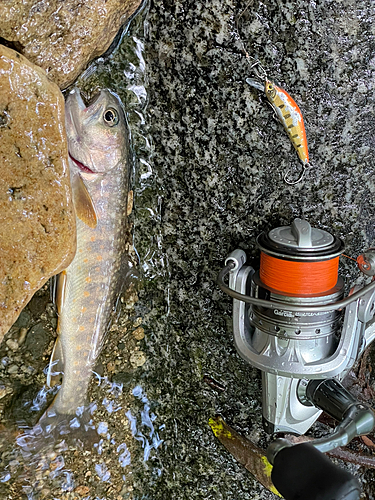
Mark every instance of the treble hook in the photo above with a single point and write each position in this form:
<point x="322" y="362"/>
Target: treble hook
<point x="305" y="166"/>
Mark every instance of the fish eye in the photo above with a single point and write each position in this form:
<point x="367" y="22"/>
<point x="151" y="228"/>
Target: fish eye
<point x="110" y="117"/>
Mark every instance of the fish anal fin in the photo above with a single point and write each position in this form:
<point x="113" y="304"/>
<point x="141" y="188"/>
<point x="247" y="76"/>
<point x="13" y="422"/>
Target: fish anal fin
<point x="56" y="364"/>
<point x="83" y="204"/>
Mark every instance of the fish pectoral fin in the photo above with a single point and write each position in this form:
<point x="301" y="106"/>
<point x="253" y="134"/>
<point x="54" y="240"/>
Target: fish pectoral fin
<point x="56" y="364"/>
<point x="130" y="203"/>
<point x="83" y="203"/>
<point x="59" y="289"/>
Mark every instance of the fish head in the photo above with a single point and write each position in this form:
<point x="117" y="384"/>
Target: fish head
<point x="270" y="90"/>
<point x="97" y="134"/>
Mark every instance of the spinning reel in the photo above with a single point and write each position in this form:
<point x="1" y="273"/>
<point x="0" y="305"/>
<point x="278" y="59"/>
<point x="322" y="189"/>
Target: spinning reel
<point x="288" y="321"/>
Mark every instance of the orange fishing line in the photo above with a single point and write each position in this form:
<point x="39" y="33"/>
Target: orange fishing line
<point x="298" y="278"/>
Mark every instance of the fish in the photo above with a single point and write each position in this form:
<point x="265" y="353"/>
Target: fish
<point x="86" y="291"/>
<point x="244" y="451"/>
<point x="289" y="115"/>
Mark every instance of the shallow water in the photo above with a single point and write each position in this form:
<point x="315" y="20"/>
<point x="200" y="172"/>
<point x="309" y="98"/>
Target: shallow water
<point x="209" y="161"/>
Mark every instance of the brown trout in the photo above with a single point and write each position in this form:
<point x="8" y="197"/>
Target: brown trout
<point x="98" y="144"/>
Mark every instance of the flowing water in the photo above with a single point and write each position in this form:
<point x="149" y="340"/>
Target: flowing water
<point x="208" y="165"/>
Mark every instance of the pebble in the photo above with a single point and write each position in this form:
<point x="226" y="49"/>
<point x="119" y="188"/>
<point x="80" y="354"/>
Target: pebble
<point x="22" y="336"/>
<point x="82" y="490"/>
<point x="111" y="366"/>
<point x="138" y="359"/>
<point x="4" y="391"/>
<point x="12" y="344"/>
<point x="13" y="369"/>
<point x="139" y="333"/>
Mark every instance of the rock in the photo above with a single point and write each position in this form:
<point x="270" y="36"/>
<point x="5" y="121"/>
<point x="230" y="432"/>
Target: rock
<point x="12" y="344"/>
<point x="138" y="358"/>
<point x="124" y="378"/>
<point x="4" y="391"/>
<point x="111" y="366"/>
<point x="37" y="223"/>
<point x="22" y="336"/>
<point x="27" y="405"/>
<point x="82" y="490"/>
<point x="63" y="37"/>
<point x="37" y="341"/>
<point x="139" y="333"/>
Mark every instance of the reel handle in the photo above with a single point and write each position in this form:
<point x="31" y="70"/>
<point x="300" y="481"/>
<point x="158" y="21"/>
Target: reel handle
<point x="301" y="472"/>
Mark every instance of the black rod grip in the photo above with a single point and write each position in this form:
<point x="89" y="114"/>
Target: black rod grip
<point x="301" y="472"/>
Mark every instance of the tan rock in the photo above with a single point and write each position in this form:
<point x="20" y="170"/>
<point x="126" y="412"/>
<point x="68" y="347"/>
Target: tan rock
<point x="37" y="223"/>
<point x="138" y="358"/>
<point x="63" y="36"/>
<point x="139" y="333"/>
<point x="82" y="490"/>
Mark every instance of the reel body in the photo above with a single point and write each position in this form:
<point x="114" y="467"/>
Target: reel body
<point x="291" y="322"/>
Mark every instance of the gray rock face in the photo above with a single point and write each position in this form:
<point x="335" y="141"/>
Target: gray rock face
<point x="220" y="157"/>
<point x="62" y="37"/>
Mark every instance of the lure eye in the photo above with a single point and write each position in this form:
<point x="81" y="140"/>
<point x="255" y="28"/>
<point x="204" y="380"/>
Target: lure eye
<point x="271" y="90"/>
<point x="110" y="117"/>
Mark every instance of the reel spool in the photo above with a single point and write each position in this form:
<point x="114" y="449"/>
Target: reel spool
<point x="299" y="260"/>
<point x="298" y="265"/>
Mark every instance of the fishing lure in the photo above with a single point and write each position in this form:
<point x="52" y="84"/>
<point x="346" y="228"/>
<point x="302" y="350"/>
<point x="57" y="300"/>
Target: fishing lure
<point x="289" y="115"/>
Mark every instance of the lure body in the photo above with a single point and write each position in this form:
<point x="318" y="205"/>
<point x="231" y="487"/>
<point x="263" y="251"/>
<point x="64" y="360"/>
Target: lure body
<point x="288" y="113"/>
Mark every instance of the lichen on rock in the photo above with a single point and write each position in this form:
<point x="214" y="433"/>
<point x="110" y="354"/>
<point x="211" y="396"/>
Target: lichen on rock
<point x="63" y="37"/>
<point x="37" y="222"/>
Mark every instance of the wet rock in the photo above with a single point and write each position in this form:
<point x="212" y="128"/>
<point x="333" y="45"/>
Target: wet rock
<point x="23" y="319"/>
<point x="82" y="490"/>
<point x="22" y="336"/>
<point x="37" y="305"/>
<point x="4" y="391"/>
<point x="37" y="341"/>
<point x="37" y="224"/>
<point x="124" y="378"/>
<point x="62" y="37"/>
<point x="25" y="406"/>
<point x="12" y="344"/>
<point x="138" y="358"/>
<point x="139" y="333"/>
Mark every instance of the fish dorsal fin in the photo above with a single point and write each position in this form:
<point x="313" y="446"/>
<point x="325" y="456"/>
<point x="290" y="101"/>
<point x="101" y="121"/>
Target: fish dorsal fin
<point x="83" y="204"/>
<point x="56" y="364"/>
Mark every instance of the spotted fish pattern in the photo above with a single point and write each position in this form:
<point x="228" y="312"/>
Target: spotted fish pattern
<point x="87" y="290"/>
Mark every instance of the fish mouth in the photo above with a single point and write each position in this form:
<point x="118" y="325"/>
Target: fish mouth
<point x="81" y="166"/>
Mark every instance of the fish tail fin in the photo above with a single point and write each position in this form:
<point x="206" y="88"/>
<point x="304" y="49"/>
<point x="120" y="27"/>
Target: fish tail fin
<point x="56" y="364"/>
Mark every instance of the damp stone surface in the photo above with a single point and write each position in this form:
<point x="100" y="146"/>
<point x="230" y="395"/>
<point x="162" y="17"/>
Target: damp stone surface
<point x="37" y="223"/>
<point x="63" y="37"/>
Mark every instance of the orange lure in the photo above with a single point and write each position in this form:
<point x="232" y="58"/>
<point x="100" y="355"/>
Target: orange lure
<point x="288" y="113"/>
